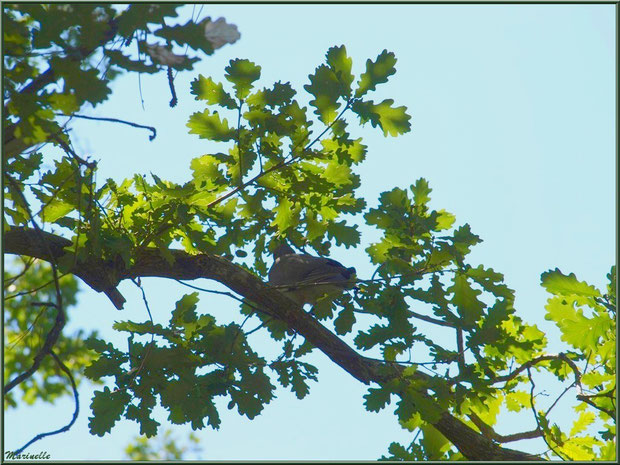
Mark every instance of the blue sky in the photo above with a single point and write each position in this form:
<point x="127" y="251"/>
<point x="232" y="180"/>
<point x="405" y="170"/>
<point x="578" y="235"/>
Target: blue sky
<point x="513" y="125"/>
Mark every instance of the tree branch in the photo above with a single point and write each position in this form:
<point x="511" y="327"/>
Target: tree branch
<point x="113" y="120"/>
<point x="491" y="434"/>
<point x="76" y="411"/>
<point x="99" y="275"/>
<point x="151" y="263"/>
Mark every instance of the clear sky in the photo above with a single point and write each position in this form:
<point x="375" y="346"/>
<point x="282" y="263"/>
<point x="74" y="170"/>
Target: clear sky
<point x="513" y="125"/>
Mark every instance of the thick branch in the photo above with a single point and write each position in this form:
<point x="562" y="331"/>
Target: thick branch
<point x="97" y="274"/>
<point x="151" y="263"/>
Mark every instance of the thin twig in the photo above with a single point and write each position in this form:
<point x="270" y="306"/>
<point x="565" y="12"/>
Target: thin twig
<point x="544" y="436"/>
<point x="258" y="327"/>
<point x="228" y="294"/>
<point x="174" y="100"/>
<point x="115" y="120"/>
<point x="239" y="152"/>
<point x="31" y="291"/>
<point x="28" y="329"/>
<point x="429" y="319"/>
<point x="542" y="358"/>
<point x="461" y="351"/>
<point x="76" y="411"/>
<point x="490" y="433"/>
<point x="559" y="397"/>
<point x="134" y="373"/>
<point x="27" y="265"/>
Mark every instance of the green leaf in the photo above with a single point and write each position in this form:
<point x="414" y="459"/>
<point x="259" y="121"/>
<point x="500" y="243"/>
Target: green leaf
<point x="287" y="215"/>
<point x="377" y="72"/>
<point x="298" y="382"/>
<point x="56" y="209"/>
<point x="399" y="453"/>
<point x="314" y="227"/>
<point x="66" y="103"/>
<point x="337" y="174"/>
<point x="464" y="239"/>
<point x="444" y="220"/>
<point x="107" y="409"/>
<point x="376" y="399"/>
<point x="344" y="322"/>
<point x="142" y="414"/>
<point x="490" y="281"/>
<point x="421" y="192"/>
<point x="247" y="404"/>
<point x="517" y="400"/>
<point x="185" y="310"/>
<point x="579" y="331"/>
<point x="242" y="73"/>
<point x="279" y="95"/>
<point x="343" y="234"/>
<point x="341" y="64"/>
<point x="326" y="89"/>
<point x="392" y="120"/>
<point x="210" y="126"/>
<point x="559" y="284"/>
<point x="214" y="94"/>
<point x="347" y="150"/>
<point x="206" y="170"/>
<point x="465" y="299"/>
<point x="585" y="419"/>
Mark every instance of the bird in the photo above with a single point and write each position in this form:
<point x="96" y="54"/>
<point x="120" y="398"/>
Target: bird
<point x="305" y="278"/>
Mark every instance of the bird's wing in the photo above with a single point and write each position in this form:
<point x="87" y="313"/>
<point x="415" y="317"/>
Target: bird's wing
<point x="319" y="269"/>
<point x="303" y="268"/>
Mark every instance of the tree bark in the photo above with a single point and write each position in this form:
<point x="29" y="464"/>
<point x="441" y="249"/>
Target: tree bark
<point x="104" y="276"/>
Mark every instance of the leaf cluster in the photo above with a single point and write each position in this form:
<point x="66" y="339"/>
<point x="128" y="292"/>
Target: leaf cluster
<point x="187" y="364"/>
<point x="59" y="57"/>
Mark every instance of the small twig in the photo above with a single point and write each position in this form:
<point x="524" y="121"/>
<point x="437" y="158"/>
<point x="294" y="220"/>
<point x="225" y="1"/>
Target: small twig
<point x="174" y="100"/>
<point x="31" y="291"/>
<point x="429" y="319"/>
<point x="260" y="157"/>
<point x="135" y="372"/>
<point x="115" y="120"/>
<point x="239" y="330"/>
<point x="28" y="329"/>
<point x="76" y="411"/>
<point x="239" y="152"/>
<point x="44" y="304"/>
<point x="70" y="151"/>
<point x="262" y="325"/>
<point x="144" y="36"/>
<point x="542" y="358"/>
<point x="490" y="433"/>
<point x="559" y="397"/>
<point x="461" y="351"/>
<point x="533" y="408"/>
<point x="228" y="294"/>
<point x="27" y="265"/>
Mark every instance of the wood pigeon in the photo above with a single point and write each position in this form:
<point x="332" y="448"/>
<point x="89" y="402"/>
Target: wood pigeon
<point x="305" y="278"/>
